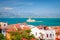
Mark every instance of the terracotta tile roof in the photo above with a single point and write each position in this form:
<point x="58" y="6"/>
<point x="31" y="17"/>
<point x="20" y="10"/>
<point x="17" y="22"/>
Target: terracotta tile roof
<point x="14" y="27"/>
<point x="11" y="28"/>
<point x="40" y="27"/>
<point x="57" y="29"/>
<point x="26" y="28"/>
<point x="17" y="25"/>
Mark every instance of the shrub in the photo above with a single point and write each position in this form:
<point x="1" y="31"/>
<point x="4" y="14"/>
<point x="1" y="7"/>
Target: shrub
<point x="2" y="37"/>
<point x="15" y="36"/>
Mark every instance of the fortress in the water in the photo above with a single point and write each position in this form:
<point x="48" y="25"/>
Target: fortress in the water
<point x="31" y="20"/>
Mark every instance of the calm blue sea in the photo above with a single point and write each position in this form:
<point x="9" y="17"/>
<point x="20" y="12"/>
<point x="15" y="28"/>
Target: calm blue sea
<point x="39" y="21"/>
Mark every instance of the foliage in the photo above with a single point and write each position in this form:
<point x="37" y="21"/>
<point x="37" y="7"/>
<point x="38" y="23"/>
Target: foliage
<point x="18" y="35"/>
<point x="28" y="31"/>
<point x="31" y="36"/>
<point x="26" y="34"/>
<point x="15" y="36"/>
<point x="2" y="37"/>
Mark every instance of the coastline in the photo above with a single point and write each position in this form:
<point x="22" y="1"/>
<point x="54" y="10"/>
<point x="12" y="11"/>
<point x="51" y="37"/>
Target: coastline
<point x="23" y="26"/>
<point x="45" y="21"/>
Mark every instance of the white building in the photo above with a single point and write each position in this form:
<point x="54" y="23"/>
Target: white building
<point x="43" y="34"/>
<point x="2" y="27"/>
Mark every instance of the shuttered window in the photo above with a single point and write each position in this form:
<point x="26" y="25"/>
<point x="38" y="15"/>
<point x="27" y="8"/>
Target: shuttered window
<point x="47" y="35"/>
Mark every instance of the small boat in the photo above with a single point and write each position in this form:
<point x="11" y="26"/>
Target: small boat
<point x="31" y="20"/>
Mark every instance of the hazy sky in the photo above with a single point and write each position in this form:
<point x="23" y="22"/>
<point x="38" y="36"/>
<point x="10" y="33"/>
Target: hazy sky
<point x="18" y="8"/>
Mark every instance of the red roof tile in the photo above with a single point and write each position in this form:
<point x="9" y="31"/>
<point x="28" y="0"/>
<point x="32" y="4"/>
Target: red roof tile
<point x="17" y="25"/>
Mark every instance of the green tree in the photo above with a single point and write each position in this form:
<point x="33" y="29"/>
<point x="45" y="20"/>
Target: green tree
<point x="18" y="35"/>
<point x="28" y="31"/>
<point x="2" y="37"/>
<point x="26" y="34"/>
<point x="15" y="36"/>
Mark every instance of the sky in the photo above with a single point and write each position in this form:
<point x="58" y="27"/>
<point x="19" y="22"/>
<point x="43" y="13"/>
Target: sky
<point x="30" y="8"/>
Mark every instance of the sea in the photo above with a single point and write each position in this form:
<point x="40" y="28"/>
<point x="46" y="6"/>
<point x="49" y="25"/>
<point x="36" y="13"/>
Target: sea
<point x="39" y="21"/>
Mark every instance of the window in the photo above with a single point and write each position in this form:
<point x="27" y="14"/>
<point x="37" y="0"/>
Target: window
<point x="0" y="30"/>
<point x="47" y="35"/>
<point x="44" y="28"/>
<point x="0" y="25"/>
<point x="4" y="24"/>
<point x="50" y="35"/>
<point x="36" y="33"/>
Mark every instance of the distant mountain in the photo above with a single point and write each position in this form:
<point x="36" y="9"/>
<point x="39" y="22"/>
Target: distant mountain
<point x="27" y="14"/>
<point x="8" y="14"/>
<point x="24" y="14"/>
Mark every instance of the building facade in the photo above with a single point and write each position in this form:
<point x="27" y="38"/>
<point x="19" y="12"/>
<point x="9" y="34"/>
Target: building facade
<point x="2" y="27"/>
<point x="43" y="34"/>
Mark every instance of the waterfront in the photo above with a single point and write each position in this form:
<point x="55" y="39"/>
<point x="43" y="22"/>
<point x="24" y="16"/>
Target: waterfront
<point x="39" y="32"/>
<point x="45" y="21"/>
